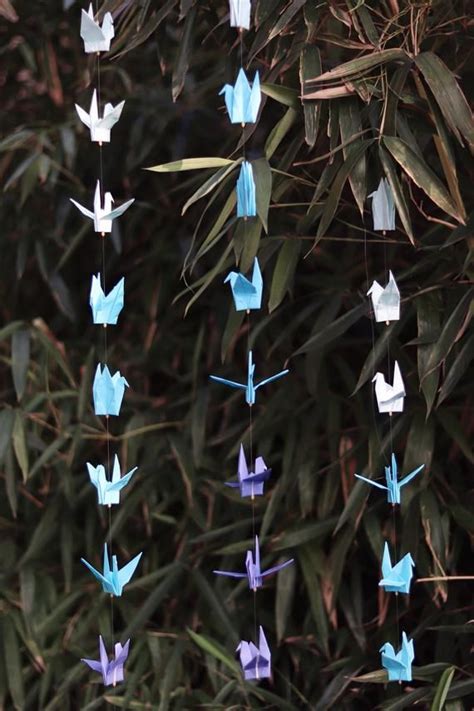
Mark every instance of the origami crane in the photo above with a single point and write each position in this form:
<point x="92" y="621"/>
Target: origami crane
<point x="398" y="664"/>
<point x="247" y="294"/>
<point x="96" y="38"/>
<point x="108" y="492"/>
<point x="106" y="309"/>
<point x="394" y="486"/>
<point x="246" y="194"/>
<point x="108" y="391"/>
<point x="249" y="387"/>
<point x="390" y="398"/>
<point x="254" y="573"/>
<point x="103" y="216"/>
<point x="250" y="483"/>
<point x="113" y="581"/>
<point x="112" y="671"/>
<point x="242" y="102"/>
<point x="240" y="13"/>
<point x="396" y="578"/>
<point x="255" y="661"/>
<point x="100" y="127"/>
<point x="383" y="207"/>
<point x="386" y="302"/>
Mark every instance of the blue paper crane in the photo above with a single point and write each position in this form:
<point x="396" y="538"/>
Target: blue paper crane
<point x="398" y="664"/>
<point x="393" y="485"/>
<point x="396" y="578"/>
<point x="247" y="294"/>
<point x="114" y="580"/>
<point x="249" y="387"/>
<point x="242" y="102"/>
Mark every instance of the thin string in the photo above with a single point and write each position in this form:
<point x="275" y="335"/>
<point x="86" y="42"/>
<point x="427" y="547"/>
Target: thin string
<point x="104" y="272"/>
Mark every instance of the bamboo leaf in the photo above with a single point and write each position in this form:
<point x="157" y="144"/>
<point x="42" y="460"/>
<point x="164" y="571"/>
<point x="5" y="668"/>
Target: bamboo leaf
<point x="284" y="272"/>
<point x="19" y="444"/>
<point x="20" y="360"/>
<point x="421" y="175"/>
<point x="182" y="63"/>
<point x="442" y="689"/>
<point x="214" y="649"/>
<point x="191" y="164"/>
<point x="362" y="64"/>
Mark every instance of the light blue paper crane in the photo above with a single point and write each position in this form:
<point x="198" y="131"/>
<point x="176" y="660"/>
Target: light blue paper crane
<point x="247" y="294"/>
<point x="246" y="192"/>
<point x="108" y="492"/>
<point x="398" y="664"/>
<point x="254" y="572"/>
<point x="393" y="485"/>
<point x="113" y="580"/>
<point x="396" y="578"/>
<point x="108" y="391"/>
<point x="106" y="309"/>
<point x="249" y="387"/>
<point x="242" y="102"/>
<point x="383" y="207"/>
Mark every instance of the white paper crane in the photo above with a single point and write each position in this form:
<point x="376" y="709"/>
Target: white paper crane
<point x="386" y="302"/>
<point x="390" y="398"/>
<point x="103" y="216"/>
<point x="100" y="127"/>
<point x="96" y="38"/>
<point x="240" y="13"/>
<point x="383" y="207"/>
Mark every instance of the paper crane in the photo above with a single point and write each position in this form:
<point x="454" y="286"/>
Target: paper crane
<point x="112" y="671"/>
<point x="96" y="38"/>
<point x="108" y="391"/>
<point x="250" y="483"/>
<point x="394" y="486"/>
<point x="100" y="127"/>
<point x="242" y="102"/>
<point x="398" y="664"/>
<point x="390" y="398"/>
<point x="254" y="573"/>
<point x="246" y="194"/>
<point x="383" y="207"/>
<point x="396" y="578"/>
<point x="386" y="302"/>
<point x="240" y="13"/>
<point x="247" y="294"/>
<point x="113" y="580"/>
<point x="255" y="661"/>
<point x="103" y="216"/>
<point x="108" y="492"/>
<point x="106" y="309"/>
<point x="249" y="387"/>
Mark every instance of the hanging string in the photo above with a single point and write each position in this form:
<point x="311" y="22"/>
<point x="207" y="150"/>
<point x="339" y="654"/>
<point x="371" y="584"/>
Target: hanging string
<point x="105" y="344"/>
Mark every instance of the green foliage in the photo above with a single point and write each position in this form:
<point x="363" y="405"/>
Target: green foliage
<point x="352" y="91"/>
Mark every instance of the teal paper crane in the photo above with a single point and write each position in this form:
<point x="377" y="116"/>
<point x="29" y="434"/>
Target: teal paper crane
<point x="249" y="387"/>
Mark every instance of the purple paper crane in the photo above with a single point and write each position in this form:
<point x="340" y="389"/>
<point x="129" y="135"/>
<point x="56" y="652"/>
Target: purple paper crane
<point x="112" y="671"/>
<point x="250" y="483"/>
<point x="254" y="573"/>
<point x="255" y="661"/>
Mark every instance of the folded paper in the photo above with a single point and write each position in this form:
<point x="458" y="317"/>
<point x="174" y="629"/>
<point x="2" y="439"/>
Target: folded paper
<point x="383" y="207"/>
<point x="398" y="664"/>
<point x="246" y="196"/>
<point x="240" y="13"/>
<point x="108" y="492"/>
<point x="96" y="38"/>
<point x="100" y="127"/>
<point x="255" y="661"/>
<point x="106" y="309"/>
<point x="393" y="487"/>
<point x="249" y="387"/>
<point x="108" y="391"/>
<point x="254" y="572"/>
<point x="113" y="580"/>
<point x="250" y="483"/>
<point x="396" y="578"/>
<point x="103" y="216"/>
<point x="390" y="398"/>
<point x="385" y="301"/>
<point x="112" y="671"/>
<point x="242" y="100"/>
<point x="247" y="294"/>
